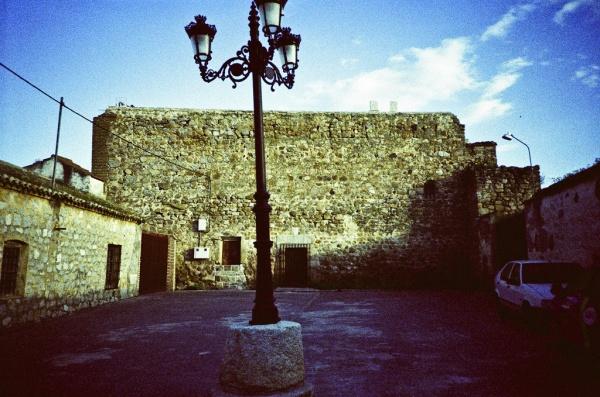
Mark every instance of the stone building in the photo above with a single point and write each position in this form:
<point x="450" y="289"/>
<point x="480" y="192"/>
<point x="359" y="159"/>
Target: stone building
<point x="68" y="173"/>
<point x="61" y="249"/>
<point x="359" y="199"/>
<point x="563" y="220"/>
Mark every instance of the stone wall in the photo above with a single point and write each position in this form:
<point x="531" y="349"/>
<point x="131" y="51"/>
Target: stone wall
<point x="563" y="220"/>
<point x="504" y="190"/>
<point x="501" y="193"/>
<point x="64" y="237"/>
<point x="386" y="200"/>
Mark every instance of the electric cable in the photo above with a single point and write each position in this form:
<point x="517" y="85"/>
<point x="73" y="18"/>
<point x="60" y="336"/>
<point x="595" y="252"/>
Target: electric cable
<point x="172" y="162"/>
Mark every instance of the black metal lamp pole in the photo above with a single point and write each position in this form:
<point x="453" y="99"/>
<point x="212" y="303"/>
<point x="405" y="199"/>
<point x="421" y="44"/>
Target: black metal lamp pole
<point x="257" y="60"/>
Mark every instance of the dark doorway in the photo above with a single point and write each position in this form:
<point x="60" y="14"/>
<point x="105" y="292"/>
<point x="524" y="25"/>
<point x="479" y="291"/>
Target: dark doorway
<point x="510" y="239"/>
<point x="295" y="266"/>
<point x="231" y="252"/>
<point x="153" y="264"/>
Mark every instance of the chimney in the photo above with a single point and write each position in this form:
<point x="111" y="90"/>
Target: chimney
<point x="373" y="107"/>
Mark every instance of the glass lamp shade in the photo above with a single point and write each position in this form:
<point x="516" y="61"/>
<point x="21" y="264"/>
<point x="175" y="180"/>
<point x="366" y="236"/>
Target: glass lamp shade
<point x="201" y="47"/>
<point x="289" y="56"/>
<point x="288" y="44"/>
<point x="271" y="12"/>
<point x="201" y="36"/>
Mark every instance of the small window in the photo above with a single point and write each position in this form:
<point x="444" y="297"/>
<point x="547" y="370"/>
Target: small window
<point x="67" y="173"/>
<point x="231" y="252"/>
<point x="11" y="256"/>
<point x="14" y="268"/>
<point x="430" y="189"/>
<point x="113" y="266"/>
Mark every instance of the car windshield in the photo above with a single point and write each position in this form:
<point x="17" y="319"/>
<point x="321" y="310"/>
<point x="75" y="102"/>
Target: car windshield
<point x="548" y="273"/>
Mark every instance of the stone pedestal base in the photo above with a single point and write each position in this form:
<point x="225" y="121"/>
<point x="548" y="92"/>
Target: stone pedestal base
<point x="306" y="390"/>
<point x="264" y="360"/>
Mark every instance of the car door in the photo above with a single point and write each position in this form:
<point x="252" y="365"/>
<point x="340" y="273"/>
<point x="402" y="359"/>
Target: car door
<point x="514" y="288"/>
<point x="502" y="282"/>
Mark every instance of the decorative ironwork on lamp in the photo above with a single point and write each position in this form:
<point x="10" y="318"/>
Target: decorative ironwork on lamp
<point x="238" y="68"/>
<point x="256" y="60"/>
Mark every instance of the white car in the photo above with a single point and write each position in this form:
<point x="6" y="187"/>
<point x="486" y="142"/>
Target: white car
<point x="528" y="284"/>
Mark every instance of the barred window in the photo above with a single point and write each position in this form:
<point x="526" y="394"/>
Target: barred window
<point x="113" y="266"/>
<point x="11" y="256"/>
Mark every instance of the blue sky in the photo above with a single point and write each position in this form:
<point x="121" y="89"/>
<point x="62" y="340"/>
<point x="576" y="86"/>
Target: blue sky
<point x="530" y="67"/>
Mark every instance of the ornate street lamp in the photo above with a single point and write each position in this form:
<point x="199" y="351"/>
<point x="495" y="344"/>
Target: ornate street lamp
<point x="255" y="59"/>
<point x="271" y="12"/>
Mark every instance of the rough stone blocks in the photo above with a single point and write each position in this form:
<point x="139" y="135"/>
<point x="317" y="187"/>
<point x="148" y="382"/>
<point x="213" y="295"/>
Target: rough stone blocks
<point x="263" y="358"/>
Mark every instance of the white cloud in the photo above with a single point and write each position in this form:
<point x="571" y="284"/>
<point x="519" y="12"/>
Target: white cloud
<point x="486" y="109"/>
<point x="588" y="75"/>
<point x="348" y="62"/>
<point x="569" y="8"/>
<point x="500" y="83"/>
<point x="423" y="79"/>
<point x="398" y="58"/>
<point x="505" y="23"/>
<point x="490" y="105"/>
<point x="426" y="76"/>
<point x="515" y="64"/>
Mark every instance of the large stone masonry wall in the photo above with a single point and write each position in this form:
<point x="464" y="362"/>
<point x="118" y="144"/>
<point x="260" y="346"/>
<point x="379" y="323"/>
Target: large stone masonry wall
<point x="353" y="184"/>
<point x="501" y="193"/>
<point x="65" y="248"/>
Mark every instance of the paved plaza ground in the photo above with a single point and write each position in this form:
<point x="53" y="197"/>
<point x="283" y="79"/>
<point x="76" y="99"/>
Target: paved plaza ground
<point x="356" y="343"/>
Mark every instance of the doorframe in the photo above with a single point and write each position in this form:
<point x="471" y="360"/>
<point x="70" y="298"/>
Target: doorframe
<point x="170" y="283"/>
<point x="280" y="262"/>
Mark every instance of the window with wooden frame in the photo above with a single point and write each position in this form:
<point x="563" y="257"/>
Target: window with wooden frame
<point x="231" y="251"/>
<point x="113" y="266"/>
<point x="12" y="256"/>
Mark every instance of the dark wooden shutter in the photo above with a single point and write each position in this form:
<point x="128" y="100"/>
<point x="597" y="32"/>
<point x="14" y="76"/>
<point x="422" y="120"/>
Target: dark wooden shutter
<point x="231" y="251"/>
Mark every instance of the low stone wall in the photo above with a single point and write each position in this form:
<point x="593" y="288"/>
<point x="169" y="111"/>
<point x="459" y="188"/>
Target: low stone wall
<point x="26" y="309"/>
<point x="229" y="276"/>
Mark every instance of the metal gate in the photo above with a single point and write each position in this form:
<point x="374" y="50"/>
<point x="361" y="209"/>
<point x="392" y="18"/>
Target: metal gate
<point x="292" y="265"/>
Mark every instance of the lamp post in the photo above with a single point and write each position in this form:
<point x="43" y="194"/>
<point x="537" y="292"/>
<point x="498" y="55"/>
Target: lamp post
<point x="255" y="59"/>
<point x="509" y="137"/>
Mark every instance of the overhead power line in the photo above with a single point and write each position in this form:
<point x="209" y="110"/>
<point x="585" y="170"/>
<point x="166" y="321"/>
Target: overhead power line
<point x="167" y="160"/>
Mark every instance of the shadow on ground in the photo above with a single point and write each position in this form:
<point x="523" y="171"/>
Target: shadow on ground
<point x="357" y="343"/>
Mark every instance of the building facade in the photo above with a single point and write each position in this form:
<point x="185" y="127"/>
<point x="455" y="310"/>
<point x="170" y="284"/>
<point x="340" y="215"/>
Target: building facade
<point x="61" y="249"/>
<point x="68" y="173"/>
<point x="361" y="200"/>
<point x="563" y="220"/>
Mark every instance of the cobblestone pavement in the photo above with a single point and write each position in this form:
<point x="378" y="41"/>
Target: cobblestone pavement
<point x="356" y="343"/>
